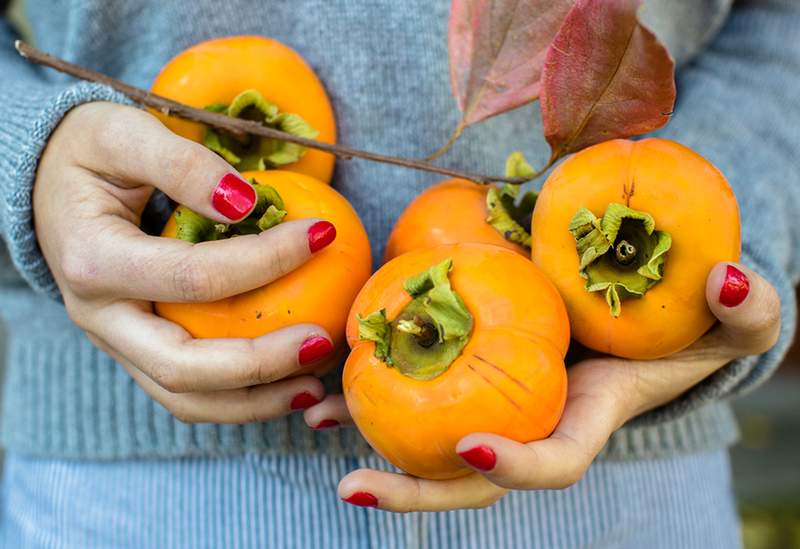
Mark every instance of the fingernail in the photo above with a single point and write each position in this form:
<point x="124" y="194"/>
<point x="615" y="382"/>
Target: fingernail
<point x="313" y="349"/>
<point x="362" y="499"/>
<point x="233" y="197"/>
<point x="480" y="457"/>
<point x="320" y="234"/>
<point x="735" y="288"/>
<point x="303" y="400"/>
<point x="326" y="424"/>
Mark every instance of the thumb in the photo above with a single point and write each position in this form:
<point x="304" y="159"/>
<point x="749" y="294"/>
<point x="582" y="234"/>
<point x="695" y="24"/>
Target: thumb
<point x="747" y="306"/>
<point x="132" y="147"/>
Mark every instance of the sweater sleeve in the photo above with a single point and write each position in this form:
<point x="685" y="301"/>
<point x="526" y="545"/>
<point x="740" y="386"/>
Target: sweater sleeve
<point x="32" y="107"/>
<point x="738" y="107"/>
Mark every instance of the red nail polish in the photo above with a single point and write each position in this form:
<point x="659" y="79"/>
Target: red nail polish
<point x="326" y="424"/>
<point x="735" y="288"/>
<point x="480" y="457"/>
<point x="313" y="349"/>
<point x="233" y="197"/>
<point x="303" y="400"/>
<point x="320" y="234"/>
<point x="362" y="499"/>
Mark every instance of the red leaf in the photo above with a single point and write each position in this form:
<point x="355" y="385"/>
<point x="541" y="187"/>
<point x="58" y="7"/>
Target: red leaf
<point x="605" y="76"/>
<point x="497" y="50"/>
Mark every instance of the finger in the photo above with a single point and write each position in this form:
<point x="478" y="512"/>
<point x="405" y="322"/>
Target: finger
<point x="151" y="268"/>
<point x="552" y="463"/>
<point x="331" y="412"/>
<point x="403" y="493"/>
<point x="130" y="147"/>
<point x="246" y="405"/>
<point x="747" y="306"/>
<point x="178" y="363"/>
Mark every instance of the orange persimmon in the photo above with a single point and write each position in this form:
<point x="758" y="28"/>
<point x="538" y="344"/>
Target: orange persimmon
<point x="449" y="341"/>
<point x="212" y="74"/>
<point x="668" y="216"/>
<point x="450" y="212"/>
<point x="457" y="210"/>
<point x="320" y="291"/>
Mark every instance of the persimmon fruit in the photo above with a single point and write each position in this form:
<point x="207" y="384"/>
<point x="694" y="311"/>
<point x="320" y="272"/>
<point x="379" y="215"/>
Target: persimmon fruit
<point x="449" y="341"/>
<point x="320" y="291"/>
<point x="260" y="79"/>
<point x="628" y="231"/>
<point x="456" y="210"/>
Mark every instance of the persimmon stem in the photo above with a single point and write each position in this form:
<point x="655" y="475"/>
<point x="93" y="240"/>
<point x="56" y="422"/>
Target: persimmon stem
<point x="238" y="127"/>
<point x="625" y="252"/>
<point x="555" y="157"/>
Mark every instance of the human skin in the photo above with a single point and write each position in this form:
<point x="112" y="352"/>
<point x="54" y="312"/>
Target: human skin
<point x="603" y="394"/>
<point x="96" y="174"/>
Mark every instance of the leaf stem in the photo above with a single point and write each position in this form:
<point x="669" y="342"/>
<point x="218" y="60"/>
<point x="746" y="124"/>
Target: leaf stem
<point x="239" y="127"/>
<point x="448" y="145"/>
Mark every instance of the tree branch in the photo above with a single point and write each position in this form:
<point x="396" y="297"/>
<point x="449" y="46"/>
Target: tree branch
<point x="238" y="126"/>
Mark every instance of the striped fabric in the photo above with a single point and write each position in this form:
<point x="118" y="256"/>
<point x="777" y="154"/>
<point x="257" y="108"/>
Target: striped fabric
<point x="290" y="501"/>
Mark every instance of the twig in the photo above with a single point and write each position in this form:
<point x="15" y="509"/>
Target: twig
<point x="238" y="126"/>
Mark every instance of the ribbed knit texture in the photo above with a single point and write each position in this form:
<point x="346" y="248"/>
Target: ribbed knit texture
<point x="256" y="501"/>
<point x="385" y="66"/>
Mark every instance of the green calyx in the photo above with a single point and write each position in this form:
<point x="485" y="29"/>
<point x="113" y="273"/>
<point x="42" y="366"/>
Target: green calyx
<point x="429" y="333"/>
<point x="510" y="218"/>
<point x="254" y="152"/>
<point x="268" y="212"/>
<point x="620" y="253"/>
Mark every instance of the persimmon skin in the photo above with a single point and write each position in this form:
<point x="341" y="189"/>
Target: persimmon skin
<point x="217" y="70"/>
<point x="686" y="195"/>
<point x="510" y="378"/>
<point x="449" y="212"/>
<point x="320" y="291"/>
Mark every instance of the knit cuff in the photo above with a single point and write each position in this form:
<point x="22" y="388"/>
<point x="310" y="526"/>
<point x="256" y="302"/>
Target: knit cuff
<point x="745" y="374"/>
<point x="29" y="116"/>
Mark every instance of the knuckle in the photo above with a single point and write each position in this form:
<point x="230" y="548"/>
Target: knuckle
<point x="184" y="164"/>
<point x="487" y="501"/>
<point x="182" y="413"/>
<point x="77" y="312"/>
<point x="80" y="273"/>
<point x="254" y="407"/>
<point x="282" y="257"/>
<point x="191" y="281"/>
<point x="171" y="380"/>
<point x="571" y="478"/>
<point x="572" y="475"/>
<point x="771" y="312"/>
<point x="263" y="372"/>
<point x="112" y="132"/>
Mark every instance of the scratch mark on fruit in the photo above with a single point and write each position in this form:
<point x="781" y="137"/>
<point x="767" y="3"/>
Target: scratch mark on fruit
<point x="502" y="371"/>
<point x="626" y="194"/>
<point x="498" y="389"/>
<point x="355" y="377"/>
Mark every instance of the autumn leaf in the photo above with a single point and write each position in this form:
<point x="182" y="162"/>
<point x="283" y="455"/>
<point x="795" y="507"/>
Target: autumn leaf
<point x="497" y="50"/>
<point x="605" y="77"/>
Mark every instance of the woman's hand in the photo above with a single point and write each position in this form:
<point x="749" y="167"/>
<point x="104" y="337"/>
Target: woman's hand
<point x="93" y="181"/>
<point x="603" y="394"/>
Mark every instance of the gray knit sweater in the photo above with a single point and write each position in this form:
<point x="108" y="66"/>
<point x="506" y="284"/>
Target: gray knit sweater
<point x="384" y="63"/>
